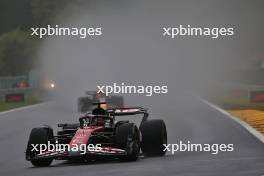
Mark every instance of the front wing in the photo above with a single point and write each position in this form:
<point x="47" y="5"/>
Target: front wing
<point x="61" y="155"/>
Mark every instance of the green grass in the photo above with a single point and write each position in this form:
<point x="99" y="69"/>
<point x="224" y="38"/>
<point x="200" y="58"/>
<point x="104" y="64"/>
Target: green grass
<point x="28" y="101"/>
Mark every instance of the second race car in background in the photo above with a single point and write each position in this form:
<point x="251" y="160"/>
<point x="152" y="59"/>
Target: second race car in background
<point x="86" y="103"/>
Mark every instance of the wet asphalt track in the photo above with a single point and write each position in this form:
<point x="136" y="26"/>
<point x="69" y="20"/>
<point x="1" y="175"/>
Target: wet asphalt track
<point x="198" y="123"/>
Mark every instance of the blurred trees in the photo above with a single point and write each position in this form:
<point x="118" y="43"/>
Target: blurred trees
<point x="16" y="53"/>
<point x="17" y="46"/>
<point x="44" y="11"/>
<point x="15" y="14"/>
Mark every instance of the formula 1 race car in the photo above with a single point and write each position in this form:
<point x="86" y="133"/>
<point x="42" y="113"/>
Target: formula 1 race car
<point x="99" y="135"/>
<point x="86" y="103"/>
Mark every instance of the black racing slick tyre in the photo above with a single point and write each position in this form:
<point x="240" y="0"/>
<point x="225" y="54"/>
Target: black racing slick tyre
<point x="127" y="137"/>
<point x="40" y="136"/>
<point x="154" y="136"/>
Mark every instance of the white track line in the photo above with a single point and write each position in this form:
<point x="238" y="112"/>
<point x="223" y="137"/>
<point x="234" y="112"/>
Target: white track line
<point x="254" y="132"/>
<point x="22" y="108"/>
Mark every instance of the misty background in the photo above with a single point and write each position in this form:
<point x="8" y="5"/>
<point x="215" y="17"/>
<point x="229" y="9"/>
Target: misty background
<point x="132" y="49"/>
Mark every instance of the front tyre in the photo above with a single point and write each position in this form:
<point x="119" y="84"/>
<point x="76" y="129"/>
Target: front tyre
<point x="39" y="136"/>
<point x="127" y="138"/>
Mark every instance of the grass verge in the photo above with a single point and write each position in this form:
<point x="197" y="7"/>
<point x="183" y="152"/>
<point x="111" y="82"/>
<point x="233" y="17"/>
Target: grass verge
<point x="30" y="100"/>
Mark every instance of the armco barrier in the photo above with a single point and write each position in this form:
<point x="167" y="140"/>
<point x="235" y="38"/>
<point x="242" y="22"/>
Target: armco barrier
<point x="11" y="82"/>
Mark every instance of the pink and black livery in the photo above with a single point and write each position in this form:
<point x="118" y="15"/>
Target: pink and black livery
<point x="122" y="139"/>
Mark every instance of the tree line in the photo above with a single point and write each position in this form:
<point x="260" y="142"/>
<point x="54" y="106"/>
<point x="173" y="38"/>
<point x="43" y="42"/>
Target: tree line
<point x="17" y="47"/>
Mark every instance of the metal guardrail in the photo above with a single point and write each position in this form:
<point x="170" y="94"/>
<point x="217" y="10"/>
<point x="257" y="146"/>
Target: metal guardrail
<point x="10" y="82"/>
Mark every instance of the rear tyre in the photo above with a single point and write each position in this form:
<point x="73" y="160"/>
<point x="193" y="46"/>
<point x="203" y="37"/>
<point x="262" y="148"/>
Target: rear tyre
<point x="127" y="138"/>
<point x="40" y="136"/>
<point x="154" y="136"/>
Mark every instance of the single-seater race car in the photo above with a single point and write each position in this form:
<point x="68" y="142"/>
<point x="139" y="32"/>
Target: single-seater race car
<point x="85" y="103"/>
<point x="103" y="133"/>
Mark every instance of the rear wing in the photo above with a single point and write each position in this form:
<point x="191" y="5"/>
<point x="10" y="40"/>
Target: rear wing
<point x="127" y="111"/>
